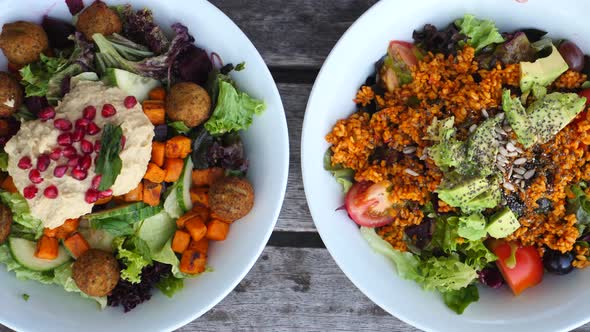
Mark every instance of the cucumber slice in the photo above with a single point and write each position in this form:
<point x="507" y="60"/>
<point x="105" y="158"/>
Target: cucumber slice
<point x="98" y="238"/>
<point x="131" y="83"/>
<point x="23" y="251"/>
<point x="116" y="211"/>
<point x="171" y="205"/>
<point x="183" y="193"/>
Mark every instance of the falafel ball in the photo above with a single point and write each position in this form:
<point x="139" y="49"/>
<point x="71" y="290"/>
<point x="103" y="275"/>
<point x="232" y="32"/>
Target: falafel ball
<point x="11" y="94"/>
<point x="98" y="18"/>
<point x="96" y="272"/>
<point x="22" y="42"/>
<point x="5" y="222"/>
<point x="188" y="102"/>
<point x="231" y="198"/>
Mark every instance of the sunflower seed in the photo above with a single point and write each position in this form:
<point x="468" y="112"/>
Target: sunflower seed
<point x="500" y="116"/>
<point x="503" y="151"/>
<point x="529" y="174"/>
<point x="409" y="149"/>
<point x="485" y="113"/>
<point x="411" y="172"/>
<point x="501" y="158"/>
<point x="519" y="161"/>
<point x="517" y="176"/>
<point x="508" y="186"/>
<point x="472" y="128"/>
<point x="510" y="172"/>
<point x="500" y="131"/>
<point x="512" y="154"/>
<point x="519" y="170"/>
<point x="519" y="150"/>
<point x="502" y="142"/>
<point x="507" y="129"/>
<point x="522" y="184"/>
<point x="501" y="168"/>
<point x="510" y="147"/>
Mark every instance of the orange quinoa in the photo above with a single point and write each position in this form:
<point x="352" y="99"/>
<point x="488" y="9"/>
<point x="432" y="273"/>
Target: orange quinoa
<point x="443" y="87"/>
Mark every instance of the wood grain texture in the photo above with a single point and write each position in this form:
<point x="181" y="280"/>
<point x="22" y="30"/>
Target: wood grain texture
<point x="294" y="33"/>
<point x="295" y="214"/>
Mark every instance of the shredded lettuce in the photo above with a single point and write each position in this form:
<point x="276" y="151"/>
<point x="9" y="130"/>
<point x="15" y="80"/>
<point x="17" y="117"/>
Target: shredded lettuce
<point x="234" y="110"/>
<point x="135" y="255"/>
<point x="170" y="285"/>
<point x="344" y="176"/>
<point x="481" y="33"/>
<point x="25" y="225"/>
<point x="458" y="300"/>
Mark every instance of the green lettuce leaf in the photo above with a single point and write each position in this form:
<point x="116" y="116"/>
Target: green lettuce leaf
<point x="109" y="163"/>
<point x="344" y="176"/>
<point x="25" y="225"/>
<point x="170" y="285"/>
<point x="135" y="254"/>
<point x="234" y="110"/>
<point x="3" y="161"/>
<point x="459" y="299"/>
<point x="36" y="76"/>
<point x="63" y="277"/>
<point x="445" y="234"/>
<point x="157" y="230"/>
<point x="476" y="254"/>
<point x="472" y="227"/>
<point x="481" y="33"/>
<point x="179" y="127"/>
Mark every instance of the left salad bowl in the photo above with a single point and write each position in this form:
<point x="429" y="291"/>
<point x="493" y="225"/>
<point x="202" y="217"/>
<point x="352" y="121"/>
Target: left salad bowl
<point x="137" y="164"/>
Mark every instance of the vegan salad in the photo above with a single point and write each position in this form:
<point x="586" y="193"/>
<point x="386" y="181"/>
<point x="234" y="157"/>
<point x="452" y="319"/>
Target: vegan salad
<point x="466" y="162"/>
<point x="121" y="157"/>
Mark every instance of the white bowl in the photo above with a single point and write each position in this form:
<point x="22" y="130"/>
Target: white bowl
<point x="51" y="308"/>
<point x="559" y="303"/>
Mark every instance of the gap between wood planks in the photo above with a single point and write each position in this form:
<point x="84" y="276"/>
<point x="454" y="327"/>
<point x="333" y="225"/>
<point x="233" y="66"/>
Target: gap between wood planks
<point x="296" y="240"/>
<point x="294" y="74"/>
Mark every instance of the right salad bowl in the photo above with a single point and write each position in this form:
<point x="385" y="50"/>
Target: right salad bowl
<point x="456" y="154"/>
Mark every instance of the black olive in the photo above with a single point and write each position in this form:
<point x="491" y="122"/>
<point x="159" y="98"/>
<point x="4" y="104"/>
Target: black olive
<point x="545" y="205"/>
<point x="557" y="262"/>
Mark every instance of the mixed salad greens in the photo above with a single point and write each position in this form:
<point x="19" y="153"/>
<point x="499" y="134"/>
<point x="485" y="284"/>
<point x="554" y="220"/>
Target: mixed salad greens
<point x="487" y="163"/>
<point x="140" y="233"/>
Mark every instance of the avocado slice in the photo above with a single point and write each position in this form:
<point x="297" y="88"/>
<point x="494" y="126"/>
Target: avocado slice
<point x="543" y="71"/>
<point x="518" y="119"/>
<point x="502" y="224"/>
<point x="458" y="191"/>
<point x="489" y="199"/>
<point x="554" y="111"/>
<point x="482" y="147"/>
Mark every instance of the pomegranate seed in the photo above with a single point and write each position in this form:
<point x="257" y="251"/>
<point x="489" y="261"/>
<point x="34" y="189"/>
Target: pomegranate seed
<point x="105" y="193"/>
<point x="47" y="113"/>
<point x="55" y="154"/>
<point x="79" y="174"/>
<point x="50" y="192"/>
<point x="97" y="146"/>
<point x="92" y="129"/>
<point x="81" y="123"/>
<point x="62" y="124"/>
<point x="123" y="141"/>
<point x="85" y="162"/>
<point x="89" y="113"/>
<point x="73" y="161"/>
<point x="25" y="163"/>
<point x="30" y="191"/>
<point x="130" y="101"/>
<point x="64" y="139"/>
<point x="96" y="181"/>
<point x="91" y="196"/>
<point x="69" y="151"/>
<point x="43" y="162"/>
<point x="86" y="146"/>
<point x="60" y="171"/>
<point x="78" y="134"/>
<point x="108" y="110"/>
<point x="35" y="176"/>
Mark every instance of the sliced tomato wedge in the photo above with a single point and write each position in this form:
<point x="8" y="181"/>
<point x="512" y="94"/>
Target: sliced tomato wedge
<point x="403" y="51"/>
<point x="526" y="272"/>
<point x="368" y="204"/>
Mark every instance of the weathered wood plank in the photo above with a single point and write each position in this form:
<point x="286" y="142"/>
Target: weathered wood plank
<point x="295" y="214"/>
<point x="294" y="33"/>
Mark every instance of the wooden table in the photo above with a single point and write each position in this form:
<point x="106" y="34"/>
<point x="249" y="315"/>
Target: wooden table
<point x="295" y="284"/>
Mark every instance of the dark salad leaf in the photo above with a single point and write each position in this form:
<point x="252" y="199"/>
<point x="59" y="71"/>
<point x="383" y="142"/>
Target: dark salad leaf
<point x="129" y="295"/>
<point x="75" y="6"/>
<point x="109" y="163"/>
<point x="58" y="32"/>
<point x="227" y="151"/>
<point x="515" y="50"/>
<point x="458" y="300"/>
<point x="491" y="277"/>
<point x="193" y="65"/>
<point x="34" y="104"/>
<point x="140" y="27"/>
<point x="202" y="141"/>
<point x="534" y="34"/>
<point x="446" y="41"/>
<point x="580" y="204"/>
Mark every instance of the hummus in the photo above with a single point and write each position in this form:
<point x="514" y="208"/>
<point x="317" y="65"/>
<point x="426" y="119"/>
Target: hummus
<point x="40" y="137"/>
